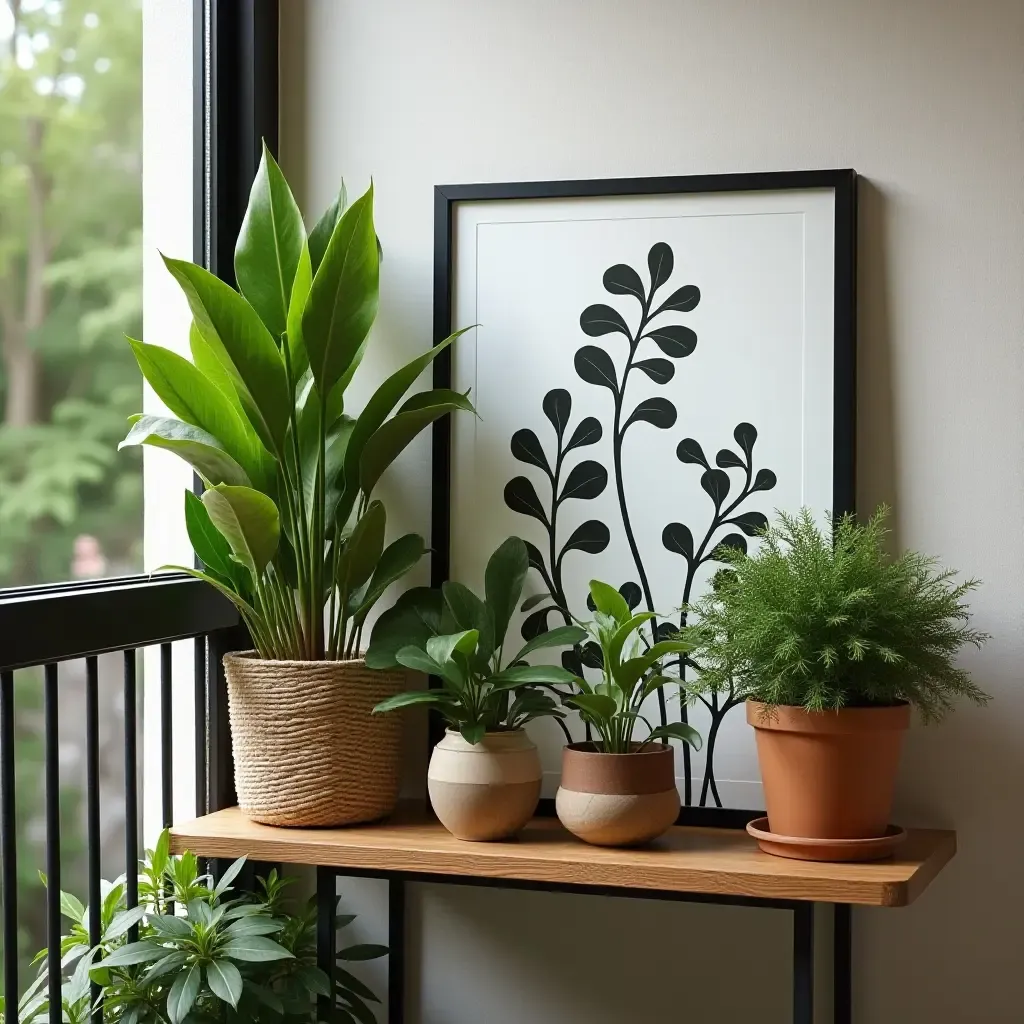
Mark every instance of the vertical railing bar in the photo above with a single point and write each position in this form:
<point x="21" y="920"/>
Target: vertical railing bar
<point x="131" y="788"/>
<point x="52" y="772"/>
<point x="8" y="840"/>
<point x="326" y="910"/>
<point x="200" y="724"/>
<point x="396" y="950"/>
<point x="92" y="787"/>
<point x="166" y="735"/>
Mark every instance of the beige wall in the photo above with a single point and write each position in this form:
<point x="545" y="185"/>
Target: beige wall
<point x="926" y="99"/>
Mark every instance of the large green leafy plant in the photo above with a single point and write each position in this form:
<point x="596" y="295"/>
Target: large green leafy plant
<point x="827" y="619"/>
<point x="287" y="526"/>
<point x="631" y="671"/>
<point x="193" y="953"/>
<point x="455" y="636"/>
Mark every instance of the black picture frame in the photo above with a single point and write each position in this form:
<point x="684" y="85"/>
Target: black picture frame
<point x="843" y="184"/>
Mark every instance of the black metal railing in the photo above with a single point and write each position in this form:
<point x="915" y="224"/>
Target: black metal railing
<point x="52" y="625"/>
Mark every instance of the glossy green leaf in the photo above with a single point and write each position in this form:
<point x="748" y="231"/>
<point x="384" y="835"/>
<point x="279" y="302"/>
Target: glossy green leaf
<point x="560" y="636"/>
<point x="395" y="561"/>
<point x="321" y="233"/>
<point x="342" y="301"/>
<point x="464" y="610"/>
<point x="183" y="994"/>
<point x="415" y="616"/>
<point x="473" y="732"/>
<point x="254" y="360"/>
<point x="249" y="522"/>
<point x="597" y="705"/>
<point x="405" y="700"/>
<point x="504" y="578"/>
<point x="441" y="648"/>
<point x="225" y="981"/>
<point x="296" y="307"/>
<point x="254" y="949"/>
<point x="391" y="439"/>
<point x="213" y="363"/>
<point x="200" y="449"/>
<point x="525" y="675"/>
<point x="362" y="549"/>
<point x="131" y="953"/>
<point x="609" y="601"/>
<point x="269" y="245"/>
<point x="207" y="541"/>
<point x="419" y="660"/>
<point x="363" y="951"/>
<point x="677" y="731"/>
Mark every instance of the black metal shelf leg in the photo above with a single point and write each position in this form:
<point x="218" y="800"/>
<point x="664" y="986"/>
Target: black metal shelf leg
<point x="396" y="947"/>
<point x="842" y="963"/>
<point x="326" y="911"/>
<point x="803" y="963"/>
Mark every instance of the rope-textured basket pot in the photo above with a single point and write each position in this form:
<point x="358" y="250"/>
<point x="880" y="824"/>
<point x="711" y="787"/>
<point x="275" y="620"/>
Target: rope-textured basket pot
<point x="307" y="749"/>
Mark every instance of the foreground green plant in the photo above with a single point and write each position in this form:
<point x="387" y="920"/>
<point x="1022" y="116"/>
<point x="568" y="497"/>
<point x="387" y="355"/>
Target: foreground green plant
<point x="191" y="953"/>
<point x="287" y="526"/>
<point x="631" y="671"/>
<point x="825" y="620"/>
<point x="454" y="635"/>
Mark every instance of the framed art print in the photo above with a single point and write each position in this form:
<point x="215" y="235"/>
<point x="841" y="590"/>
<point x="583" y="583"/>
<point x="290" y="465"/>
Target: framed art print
<point x="658" y="365"/>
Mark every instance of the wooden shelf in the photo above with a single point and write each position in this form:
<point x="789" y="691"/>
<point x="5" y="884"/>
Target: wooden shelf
<point x="692" y="860"/>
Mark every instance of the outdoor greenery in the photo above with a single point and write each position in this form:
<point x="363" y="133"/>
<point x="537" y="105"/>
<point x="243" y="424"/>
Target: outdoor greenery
<point x="287" y="526"/>
<point x="827" y="619"/>
<point x="454" y="635"/>
<point x="192" y="952"/>
<point x="631" y="671"/>
<point x="70" y="286"/>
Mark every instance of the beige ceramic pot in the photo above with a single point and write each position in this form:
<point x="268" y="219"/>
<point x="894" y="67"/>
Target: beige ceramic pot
<point x="617" y="799"/>
<point x="829" y="774"/>
<point x="486" y="790"/>
<point x="307" y="749"/>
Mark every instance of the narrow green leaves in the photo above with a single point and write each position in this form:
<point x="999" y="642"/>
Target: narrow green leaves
<point x="269" y="246"/>
<point x="362" y="550"/>
<point x="503" y="581"/>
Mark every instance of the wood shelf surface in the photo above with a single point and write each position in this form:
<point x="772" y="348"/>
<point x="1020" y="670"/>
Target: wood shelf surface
<point x="690" y="860"/>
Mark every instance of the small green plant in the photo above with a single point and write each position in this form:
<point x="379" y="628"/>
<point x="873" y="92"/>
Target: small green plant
<point x="287" y="527"/>
<point x="631" y="670"/>
<point x="825" y="620"/>
<point x="192" y="953"/>
<point x="454" y="635"/>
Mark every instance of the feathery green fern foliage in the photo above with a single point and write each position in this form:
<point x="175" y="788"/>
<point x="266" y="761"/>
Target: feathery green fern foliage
<point x="829" y="620"/>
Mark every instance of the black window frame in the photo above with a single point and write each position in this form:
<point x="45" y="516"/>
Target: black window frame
<point x="235" y="74"/>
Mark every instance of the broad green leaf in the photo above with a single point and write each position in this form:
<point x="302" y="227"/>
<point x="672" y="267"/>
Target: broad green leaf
<point x="183" y="994"/>
<point x="466" y="611"/>
<point x="415" y="616"/>
<point x="231" y="872"/>
<point x="142" y="952"/>
<point x="419" y="661"/>
<point x="249" y="522"/>
<point x="213" y="363"/>
<point x="257" y="924"/>
<point x="71" y="907"/>
<point x="441" y="648"/>
<point x="269" y="246"/>
<point x="225" y="981"/>
<point x="321" y="232"/>
<point x="190" y="396"/>
<point x="362" y="549"/>
<point x="395" y="561"/>
<point x="363" y="951"/>
<point x="473" y="732"/>
<point x="207" y="541"/>
<point x="342" y="301"/>
<point x="123" y="921"/>
<point x="349" y="981"/>
<point x="254" y="948"/>
<point x="614" y="647"/>
<point x="202" y="451"/>
<point x="296" y="307"/>
<point x="598" y="706"/>
<point x="609" y="601"/>
<point x="525" y="675"/>
<point x="560" y="636"/>
<point x="503" y="583"/>
<point x="254" y="360"/>
<point x="170" y="927"/>
<point x="677" y="731"/>
<point x="167" y="965"/>
<point x="405" y="700"/>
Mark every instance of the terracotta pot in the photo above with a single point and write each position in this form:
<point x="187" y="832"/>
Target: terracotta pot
<point x="486" y="790"/>
<point x="829" y="774"/>
<point x="617" y="799"/>
<point x="307" y="749"/>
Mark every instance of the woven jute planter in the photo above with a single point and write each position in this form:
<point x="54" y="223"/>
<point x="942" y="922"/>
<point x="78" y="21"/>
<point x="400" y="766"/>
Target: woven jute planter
<point x="308" y="751"/>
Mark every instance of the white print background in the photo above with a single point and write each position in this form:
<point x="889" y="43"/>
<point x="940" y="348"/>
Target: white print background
<point x="525" y="270"/>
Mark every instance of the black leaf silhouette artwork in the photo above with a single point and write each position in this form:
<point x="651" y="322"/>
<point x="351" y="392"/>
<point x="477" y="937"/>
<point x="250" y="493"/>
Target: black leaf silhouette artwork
<point x="650" y="338"/>
<point x="678" y="539"/>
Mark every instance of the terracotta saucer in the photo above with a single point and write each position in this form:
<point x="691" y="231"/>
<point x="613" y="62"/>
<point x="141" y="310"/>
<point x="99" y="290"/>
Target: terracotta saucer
<point x="834" y="850"/>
